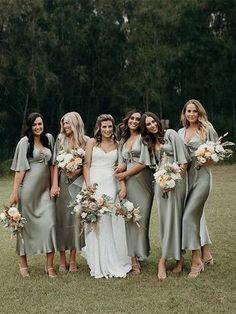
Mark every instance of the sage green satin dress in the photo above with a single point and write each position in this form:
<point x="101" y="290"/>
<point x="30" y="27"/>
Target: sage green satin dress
<point x="140" y="193"/>
<point x="35" y="204"/>
<point x="170" y="209"/>
<point x="69" y="236"/>
<point x="195" y="233"/>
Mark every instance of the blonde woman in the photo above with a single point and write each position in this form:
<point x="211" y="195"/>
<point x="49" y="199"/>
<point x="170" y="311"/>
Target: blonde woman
<point x="196" y="131"/>
<point x="65" y="186"/>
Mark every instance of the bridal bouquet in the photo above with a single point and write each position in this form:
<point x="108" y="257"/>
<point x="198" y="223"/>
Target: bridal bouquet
<point x="213" y="152"/>
<point x="167" y="177"/>
<point x="127" y="210"/>
<point x="71" y="161"/>
<point x="90" y="206"/>
<point x="11" y="218"/>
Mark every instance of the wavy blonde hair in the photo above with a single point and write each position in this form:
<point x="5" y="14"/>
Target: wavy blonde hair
<point x="77" y="125"/>
<point x="203" y="122"/>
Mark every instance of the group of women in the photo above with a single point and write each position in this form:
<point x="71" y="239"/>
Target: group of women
<point x="122" y="169"/>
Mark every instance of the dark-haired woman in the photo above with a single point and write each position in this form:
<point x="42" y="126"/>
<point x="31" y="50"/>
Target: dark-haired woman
<point x="31" y="190"/>
<point x="138" y="177"/>
<point x="105" y="250"/>
<point x="167" y="147"/>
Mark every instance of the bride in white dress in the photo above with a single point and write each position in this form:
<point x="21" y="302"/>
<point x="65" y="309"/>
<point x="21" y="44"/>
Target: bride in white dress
<point x="106" y="248"/>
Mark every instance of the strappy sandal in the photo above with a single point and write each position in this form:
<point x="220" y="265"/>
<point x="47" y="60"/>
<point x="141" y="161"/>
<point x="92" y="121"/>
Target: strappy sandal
<point x="24" y="272"/>
<point x="208" y="260"/>
<point x="50" y="272"/>
<point x="179" y="266"/>
<point x="195" y="271"/>
<point x="62" y="268"/>
<point x="73" y="267"/>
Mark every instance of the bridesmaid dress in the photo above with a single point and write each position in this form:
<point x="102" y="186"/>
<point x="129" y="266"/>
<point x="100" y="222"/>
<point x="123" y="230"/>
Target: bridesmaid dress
<point x="171" y="209"/>
<point x="35" y="204"/>
<point x="195" y="233"/>
<point x="68" y="230"/>
<point x="140" y="193"/>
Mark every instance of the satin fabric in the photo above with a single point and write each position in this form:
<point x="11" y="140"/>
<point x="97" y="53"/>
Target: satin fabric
<point x="195" y="233"/>
<point x="35" y="204"/>
<point x="140" y="193"/>
<point x="170" y="209"/>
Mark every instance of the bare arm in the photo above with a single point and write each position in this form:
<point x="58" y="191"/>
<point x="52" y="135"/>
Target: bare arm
<point x="123" y="190"/>
<point x="130" y="172"/>
<point x="87" y="161"/>
<point x="19" y="176"/>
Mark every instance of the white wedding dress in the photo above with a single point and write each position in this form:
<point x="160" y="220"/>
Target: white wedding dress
<point x="106" y="248"/>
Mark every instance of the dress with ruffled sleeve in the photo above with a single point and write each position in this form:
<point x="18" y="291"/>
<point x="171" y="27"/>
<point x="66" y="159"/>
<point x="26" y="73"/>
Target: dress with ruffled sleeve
<point x="39" y="233"/>
<point x="140" y="193"/>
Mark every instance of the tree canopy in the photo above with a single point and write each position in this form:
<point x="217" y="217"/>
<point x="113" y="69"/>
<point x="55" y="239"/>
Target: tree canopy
<point x="108" y="56"/>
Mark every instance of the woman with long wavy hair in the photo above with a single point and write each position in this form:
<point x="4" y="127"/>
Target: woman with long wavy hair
<point x="196" y="131"/>
<point x="31" y="189"/>
<point x="65" y="187"/>
<point x="132" y="168"/>
<point x="167" y="147"/>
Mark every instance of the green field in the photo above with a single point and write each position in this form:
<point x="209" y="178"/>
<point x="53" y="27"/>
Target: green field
<point x="212" y="292"/>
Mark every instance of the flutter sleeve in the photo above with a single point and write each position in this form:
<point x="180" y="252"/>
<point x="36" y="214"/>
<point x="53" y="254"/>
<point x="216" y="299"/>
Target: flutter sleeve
<point x="56" y="150"/>
<point x="145" y="157"/>
<point x="121" y="158"/>
<point x="180" y="151"/>
<point x="212" y="134"/>
<point x="20" y="161"/>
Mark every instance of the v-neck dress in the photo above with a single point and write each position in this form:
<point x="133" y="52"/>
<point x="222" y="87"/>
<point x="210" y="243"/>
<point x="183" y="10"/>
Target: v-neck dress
<point x="170" y="209"/>
<point x="35" y="204"/>
<point x="69" y="236"/>
<point x="140" y="193"/>
<point x="199" y="185"/>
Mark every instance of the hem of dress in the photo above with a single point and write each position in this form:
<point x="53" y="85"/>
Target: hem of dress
<point x="36" y="253"/>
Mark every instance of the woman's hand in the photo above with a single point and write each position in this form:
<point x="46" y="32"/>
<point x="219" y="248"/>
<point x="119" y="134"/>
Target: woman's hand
<point x="120" y="168"/>
<point x="55" y="191"/>
<point x="120" y="176"/>
<point x="13" y="198"/>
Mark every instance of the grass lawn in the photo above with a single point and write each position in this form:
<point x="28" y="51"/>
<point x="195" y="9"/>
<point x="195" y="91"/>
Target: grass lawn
<point x="213" y="292"/>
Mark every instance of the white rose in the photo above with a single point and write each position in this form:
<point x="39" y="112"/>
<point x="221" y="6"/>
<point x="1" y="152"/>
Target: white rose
<point x="214" y="157"/>
<point x="2" y="216"/>
<point x="13" y="211"/>
<point x="68" y="158"/>
<point x="219" y="148"/>
<point x="84" y="215"/>
<point x="175" y="176"/>
<point x="159" y="173"/>
<point x="76" y="208"/>
<point x="79" y="197"/>
<point x="129" y="205"/>
<point x="170" y="184"/>
<point x="60" y="158"/>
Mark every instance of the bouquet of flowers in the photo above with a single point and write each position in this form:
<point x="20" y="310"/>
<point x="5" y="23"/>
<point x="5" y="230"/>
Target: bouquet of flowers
<point x="90" y="206"/>
<point x="127" y="210"/>
<point x="71" y="161"/>
<point x="11" y="218"/>
<point x="213" y="152"/>
<point x="167" y="177"/>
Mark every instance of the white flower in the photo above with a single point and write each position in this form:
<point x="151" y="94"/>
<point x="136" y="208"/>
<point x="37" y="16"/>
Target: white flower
<point x="175" y="176"/>
<point x="62" y="164"/>
<point x="76" y="208"/>
<point x="60" y="157"/>
<point x="84" y="215"/>
<point x="214" y="157"/>
<point x="202" y="160"/>
<point x="79" y="197"/>
<point x="159" y="173"/>
<point x="219" y="148"/>
<point x="170" y="184"/>
<point x="2" y="216"/>
<point x="13" y="211"/>
<point x="129" y="205"/>
<point x="68" y="158"/>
